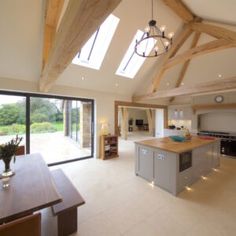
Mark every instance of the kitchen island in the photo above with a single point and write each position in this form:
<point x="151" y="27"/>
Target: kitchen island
<point x="174" y="166"/>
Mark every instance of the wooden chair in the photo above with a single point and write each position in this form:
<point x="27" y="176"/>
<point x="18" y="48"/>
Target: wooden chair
<point x="20" y="150"/>
<point x="26" y="226"/>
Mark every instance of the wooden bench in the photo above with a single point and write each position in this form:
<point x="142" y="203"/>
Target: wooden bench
<point x="66" y="211"/>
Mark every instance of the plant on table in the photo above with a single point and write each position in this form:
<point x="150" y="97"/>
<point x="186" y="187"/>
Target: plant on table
<point x="7" y="151"/>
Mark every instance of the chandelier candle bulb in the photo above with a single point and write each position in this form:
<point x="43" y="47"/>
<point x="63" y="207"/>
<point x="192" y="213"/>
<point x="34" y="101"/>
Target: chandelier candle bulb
<point x="147" y="29"/>
<point x="163" y="27"/>
<point x="166" y="44"/>
<point x="170" y="35"/>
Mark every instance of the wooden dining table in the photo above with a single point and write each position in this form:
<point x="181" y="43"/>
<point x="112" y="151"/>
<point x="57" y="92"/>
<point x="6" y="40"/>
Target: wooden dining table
<point x="31" y="188"/>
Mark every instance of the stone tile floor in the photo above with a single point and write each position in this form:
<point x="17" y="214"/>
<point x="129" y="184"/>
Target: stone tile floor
<point x="120" y="203"/>
<point x="54" y="147"/>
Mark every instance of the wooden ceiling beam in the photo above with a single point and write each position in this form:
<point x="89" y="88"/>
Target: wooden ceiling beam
<point x="53" y="12"/>
<point x="213" y="106"/>
<point x="180" y="9"/>
<point x="211" y="86"/>
<point x="178" y="42"/>
<point x="186" y="64"/>
<point x="213" y="46"/>
<point x="80" y="21"/>
<point x="215" y="31"/>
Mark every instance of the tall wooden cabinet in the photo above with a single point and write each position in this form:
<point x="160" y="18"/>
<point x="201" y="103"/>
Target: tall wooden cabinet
<point x="108" y="146"/>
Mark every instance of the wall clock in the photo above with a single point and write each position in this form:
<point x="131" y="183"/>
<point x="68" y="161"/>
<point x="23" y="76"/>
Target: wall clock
<point x="219" y="98"/>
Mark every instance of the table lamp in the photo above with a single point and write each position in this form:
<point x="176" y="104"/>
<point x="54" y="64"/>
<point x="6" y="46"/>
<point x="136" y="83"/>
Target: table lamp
<point x="104" y="129"/>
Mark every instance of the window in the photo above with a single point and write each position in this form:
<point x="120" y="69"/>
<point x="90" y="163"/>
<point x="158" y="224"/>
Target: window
<point x="60" y="128"/>
<point x="131" y="62"/>
<point x="93" y="52"/>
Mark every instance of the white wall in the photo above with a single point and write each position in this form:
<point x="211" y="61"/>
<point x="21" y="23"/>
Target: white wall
<point x="104" y="102"/>
<point x="218" y="121"/>
<point x="214" y="119"/>
<point x="229" y="97"/>
<point x="159" y="123"/>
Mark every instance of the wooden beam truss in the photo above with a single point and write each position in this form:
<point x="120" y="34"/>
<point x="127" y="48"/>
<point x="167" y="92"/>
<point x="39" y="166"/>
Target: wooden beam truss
<point x="186" y="64"/>
<point x="53" y="11"/>
<point x="179" y="41"/>
<point x="225" y="38"/>
<point x="81" y="19"/>
<point x="203" y="49"/>
<point x="180" y="9"/>
<point x="211" y="86"/>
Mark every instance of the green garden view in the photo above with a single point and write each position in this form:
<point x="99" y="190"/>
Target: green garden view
<point x="45" y="116"/>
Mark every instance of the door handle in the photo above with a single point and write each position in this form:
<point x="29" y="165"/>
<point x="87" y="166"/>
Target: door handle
<point x="160" y="156"/>
<point x="144" y="151"/>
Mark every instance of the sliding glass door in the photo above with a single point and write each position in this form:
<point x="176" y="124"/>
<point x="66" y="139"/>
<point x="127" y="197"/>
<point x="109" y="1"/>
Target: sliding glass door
<point x="74" y="119"/>
<point x="59" y="128"/>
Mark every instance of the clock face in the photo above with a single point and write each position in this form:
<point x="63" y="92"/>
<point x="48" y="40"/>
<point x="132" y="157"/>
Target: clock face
<point x="219" y="99"/>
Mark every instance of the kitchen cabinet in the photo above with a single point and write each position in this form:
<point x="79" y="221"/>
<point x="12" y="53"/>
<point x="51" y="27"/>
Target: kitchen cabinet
<point x="200" y="162"/>
<point x="180" y="113"/>
<point x="215" y="154"/>
<point x="159" y="161"/>
<point x="165" y="170"/>
<point x="185" y="178"/>
<point x="205" y="158"/>
<point x="144" y="162"/>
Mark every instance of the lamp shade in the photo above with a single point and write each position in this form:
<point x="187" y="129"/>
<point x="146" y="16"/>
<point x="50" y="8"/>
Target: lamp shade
<point x="104" y="129"/>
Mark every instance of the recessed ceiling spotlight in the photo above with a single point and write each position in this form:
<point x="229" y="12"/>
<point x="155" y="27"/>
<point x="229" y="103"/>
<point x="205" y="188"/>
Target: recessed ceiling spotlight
<point x="82" y="77"/>
<point x="219" y="75"/>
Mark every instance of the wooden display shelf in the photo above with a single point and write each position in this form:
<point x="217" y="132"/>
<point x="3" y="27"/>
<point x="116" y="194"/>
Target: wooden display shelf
<point x="108" y="146"/>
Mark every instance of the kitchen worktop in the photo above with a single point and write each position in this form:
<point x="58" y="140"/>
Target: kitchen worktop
<point x="177" y="147"/>
<point x="173" y="166"/>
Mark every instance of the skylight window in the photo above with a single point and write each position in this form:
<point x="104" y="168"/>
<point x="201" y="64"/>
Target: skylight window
<point x="93" y="52"/>
<point x="131" y="62"/>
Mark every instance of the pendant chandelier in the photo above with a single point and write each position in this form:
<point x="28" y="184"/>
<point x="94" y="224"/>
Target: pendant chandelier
<point x="154" y="41"/>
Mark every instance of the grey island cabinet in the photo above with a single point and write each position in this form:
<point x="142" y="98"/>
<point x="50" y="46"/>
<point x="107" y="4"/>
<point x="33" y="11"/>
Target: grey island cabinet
<point x="174" y="165"/>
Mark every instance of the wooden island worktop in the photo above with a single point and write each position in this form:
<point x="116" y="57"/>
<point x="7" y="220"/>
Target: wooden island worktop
<point x="173" y="166"/>
<point x="178" y="147"/>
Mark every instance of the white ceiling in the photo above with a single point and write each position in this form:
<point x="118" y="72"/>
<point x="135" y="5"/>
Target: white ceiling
<point x="216" y="10"/>
<point x="21" y="30"/>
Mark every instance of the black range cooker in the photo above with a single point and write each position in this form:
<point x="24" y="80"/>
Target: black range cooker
<point x="228" y="141"/>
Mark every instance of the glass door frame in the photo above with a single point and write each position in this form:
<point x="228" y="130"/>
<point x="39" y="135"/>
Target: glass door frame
<point x="76" y="123"/>
<point x="27" y="118"/>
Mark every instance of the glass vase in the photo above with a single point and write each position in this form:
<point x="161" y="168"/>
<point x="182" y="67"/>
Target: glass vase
<point x="7" y="172"/>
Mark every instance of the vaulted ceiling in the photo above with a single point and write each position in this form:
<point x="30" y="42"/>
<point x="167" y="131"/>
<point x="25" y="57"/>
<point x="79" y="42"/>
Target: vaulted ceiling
<point x="22" y="25"/>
